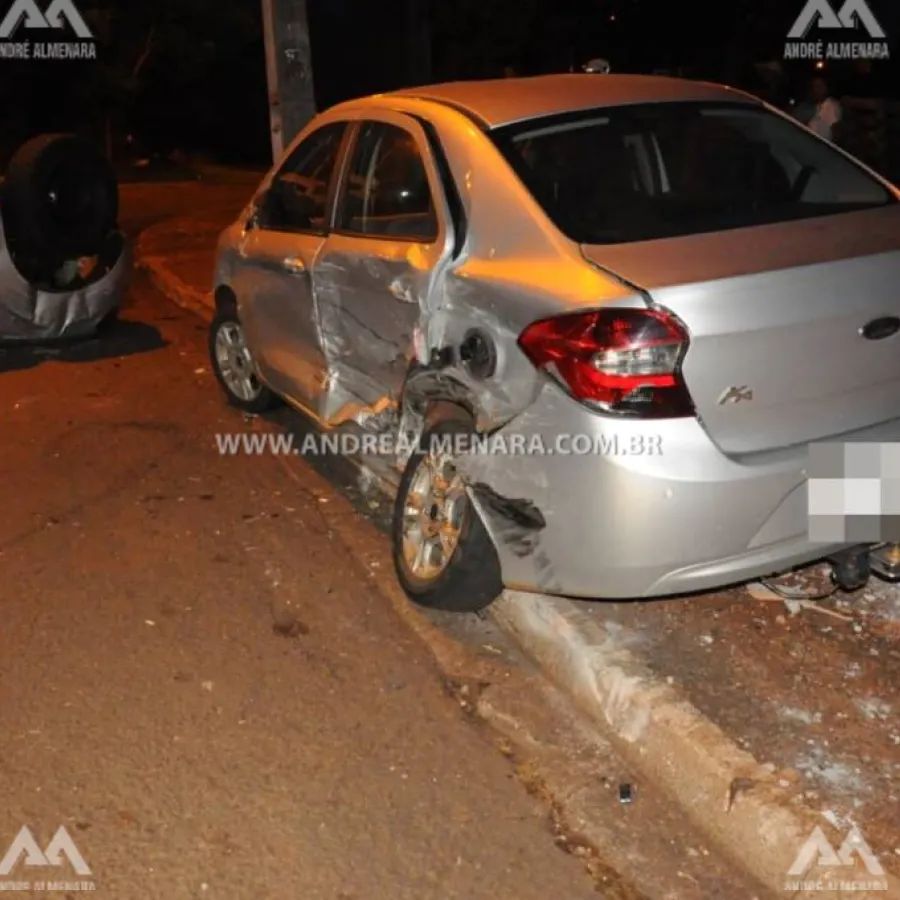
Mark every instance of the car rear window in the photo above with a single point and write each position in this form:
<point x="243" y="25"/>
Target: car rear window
<point x="640" y="173"/>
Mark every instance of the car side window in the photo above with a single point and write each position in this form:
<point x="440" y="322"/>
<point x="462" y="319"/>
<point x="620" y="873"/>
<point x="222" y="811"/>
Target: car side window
<point x="298" y="197"/>
<point x="387" y="194"/>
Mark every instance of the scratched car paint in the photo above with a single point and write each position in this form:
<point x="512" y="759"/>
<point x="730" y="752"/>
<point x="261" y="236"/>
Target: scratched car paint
<point x="645" y="261"/>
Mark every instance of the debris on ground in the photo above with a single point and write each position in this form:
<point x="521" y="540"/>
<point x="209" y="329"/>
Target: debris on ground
<point x="793" y="604"/>
<point x="466" y="692"/>
<point x="737" y="787"/>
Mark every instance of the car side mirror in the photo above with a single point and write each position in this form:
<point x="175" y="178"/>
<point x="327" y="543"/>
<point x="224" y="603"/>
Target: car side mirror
<point x="256" y="214"/>
<point x="251" y="223"/>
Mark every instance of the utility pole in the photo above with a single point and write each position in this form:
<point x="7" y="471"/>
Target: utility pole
<point x="288" y="70"/>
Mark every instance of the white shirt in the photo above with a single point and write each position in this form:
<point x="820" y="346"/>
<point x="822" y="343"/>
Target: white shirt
<point x="827" y="115"/>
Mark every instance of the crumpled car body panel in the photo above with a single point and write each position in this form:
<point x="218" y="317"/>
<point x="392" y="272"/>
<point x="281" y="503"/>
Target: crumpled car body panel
<point x="371" y="333"/>
<point x="29" y="314"/>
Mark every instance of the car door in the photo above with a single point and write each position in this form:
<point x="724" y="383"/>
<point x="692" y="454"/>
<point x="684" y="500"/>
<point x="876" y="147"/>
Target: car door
<point x="374" y="270"/>
<point x="274" y="279"/>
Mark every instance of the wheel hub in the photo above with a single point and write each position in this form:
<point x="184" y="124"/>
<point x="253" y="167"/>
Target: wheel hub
<point x="434" y="513"/>
<point x="235" y="362"/>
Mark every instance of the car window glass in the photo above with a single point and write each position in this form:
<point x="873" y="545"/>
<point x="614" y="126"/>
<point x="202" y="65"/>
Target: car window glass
<point x="644" y="173"/>
<point x="387" y="192"/>
<point x="298" y="198"/>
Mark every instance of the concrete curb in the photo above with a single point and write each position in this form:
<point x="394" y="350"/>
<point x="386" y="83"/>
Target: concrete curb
<point x="229" y="174"/>
<point x="165" y="280"/>
<point x="729" y="795"/>
<point x="176" y="290"/>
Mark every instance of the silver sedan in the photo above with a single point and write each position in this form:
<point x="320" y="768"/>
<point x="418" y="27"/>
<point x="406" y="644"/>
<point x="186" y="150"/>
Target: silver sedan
<point x="652" y="296"/>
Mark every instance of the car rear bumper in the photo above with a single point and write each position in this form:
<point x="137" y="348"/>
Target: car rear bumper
<point x="637" y="508"/>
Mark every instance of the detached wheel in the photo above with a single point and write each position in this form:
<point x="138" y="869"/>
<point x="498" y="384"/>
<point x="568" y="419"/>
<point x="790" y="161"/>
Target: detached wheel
<point x="59" y="201"/>
<point x="442" y="552"/>
<point x="234" y="367"/>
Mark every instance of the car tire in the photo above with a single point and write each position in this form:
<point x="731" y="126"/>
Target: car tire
<point x="470" y="580"/>
<point x="59" y="201"/>
<point x="227" y="346"/>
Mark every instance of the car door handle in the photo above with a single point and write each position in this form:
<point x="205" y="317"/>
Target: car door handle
<point x="295" y="265"/>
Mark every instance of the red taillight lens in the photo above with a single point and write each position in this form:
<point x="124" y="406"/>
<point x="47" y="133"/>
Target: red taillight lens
<point x="625" y="361"/>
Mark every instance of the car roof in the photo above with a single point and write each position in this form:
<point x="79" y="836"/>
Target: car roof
<point x="503" y="101"/>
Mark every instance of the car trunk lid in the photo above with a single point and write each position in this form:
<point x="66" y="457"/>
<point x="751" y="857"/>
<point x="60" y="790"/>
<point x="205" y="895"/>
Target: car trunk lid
<point x="776" y="313"/>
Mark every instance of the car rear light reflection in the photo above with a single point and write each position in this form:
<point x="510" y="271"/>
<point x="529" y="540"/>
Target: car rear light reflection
<point x="622" y="361"/>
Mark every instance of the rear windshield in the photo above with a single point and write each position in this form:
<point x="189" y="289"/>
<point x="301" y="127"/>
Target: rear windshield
<point x="640" y="173"/>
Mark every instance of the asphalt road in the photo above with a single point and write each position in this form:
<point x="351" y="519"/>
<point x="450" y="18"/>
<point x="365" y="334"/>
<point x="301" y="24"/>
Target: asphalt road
<point x="155" y="700"/>
<point x="203" y="679"/>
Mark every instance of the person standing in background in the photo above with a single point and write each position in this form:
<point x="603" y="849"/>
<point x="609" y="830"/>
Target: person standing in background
<point x="824" y="111"/>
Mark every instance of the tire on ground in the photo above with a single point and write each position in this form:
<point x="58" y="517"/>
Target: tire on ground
<point x="265" y="399"/>
<point x="59" y="201"/>
<point x="472" y="580"/>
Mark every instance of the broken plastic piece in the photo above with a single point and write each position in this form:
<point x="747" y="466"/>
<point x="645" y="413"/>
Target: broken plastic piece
<point x="885" y="562"/>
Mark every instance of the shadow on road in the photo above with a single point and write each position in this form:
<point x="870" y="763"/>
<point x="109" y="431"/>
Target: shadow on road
<point x="116" y="339"/>
<point x="342" y="472"/>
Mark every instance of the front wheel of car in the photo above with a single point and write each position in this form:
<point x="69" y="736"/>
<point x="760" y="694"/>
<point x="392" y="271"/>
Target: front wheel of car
<point x="442" y="552"/>
<point x="234" y="367"/>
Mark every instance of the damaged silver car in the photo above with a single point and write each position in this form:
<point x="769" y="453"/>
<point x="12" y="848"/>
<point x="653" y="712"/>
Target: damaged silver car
<point x="64" y="263"/>
<point x="667" y="274"/>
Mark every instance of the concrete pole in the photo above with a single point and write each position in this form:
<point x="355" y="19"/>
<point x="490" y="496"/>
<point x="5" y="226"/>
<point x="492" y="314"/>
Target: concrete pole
<point x="288" y="70"/>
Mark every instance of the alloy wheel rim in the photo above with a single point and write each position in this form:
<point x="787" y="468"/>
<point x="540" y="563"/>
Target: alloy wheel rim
<point x="235" y="362"/>
<point x="434" y="512"/>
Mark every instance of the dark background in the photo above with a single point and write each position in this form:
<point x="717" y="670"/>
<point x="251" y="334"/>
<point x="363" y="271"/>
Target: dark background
<point x="189" y="75"/>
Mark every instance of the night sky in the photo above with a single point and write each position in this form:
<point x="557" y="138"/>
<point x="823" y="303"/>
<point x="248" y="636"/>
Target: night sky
<point x="202" y="86"/>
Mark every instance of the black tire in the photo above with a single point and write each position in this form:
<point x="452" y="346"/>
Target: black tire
<point x="472" y="579"/>
<point x="59" y="201"/>
<point x="264" y="399"/>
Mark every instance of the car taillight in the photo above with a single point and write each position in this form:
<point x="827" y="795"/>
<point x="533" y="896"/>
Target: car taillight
<point x="624" y="361"/>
